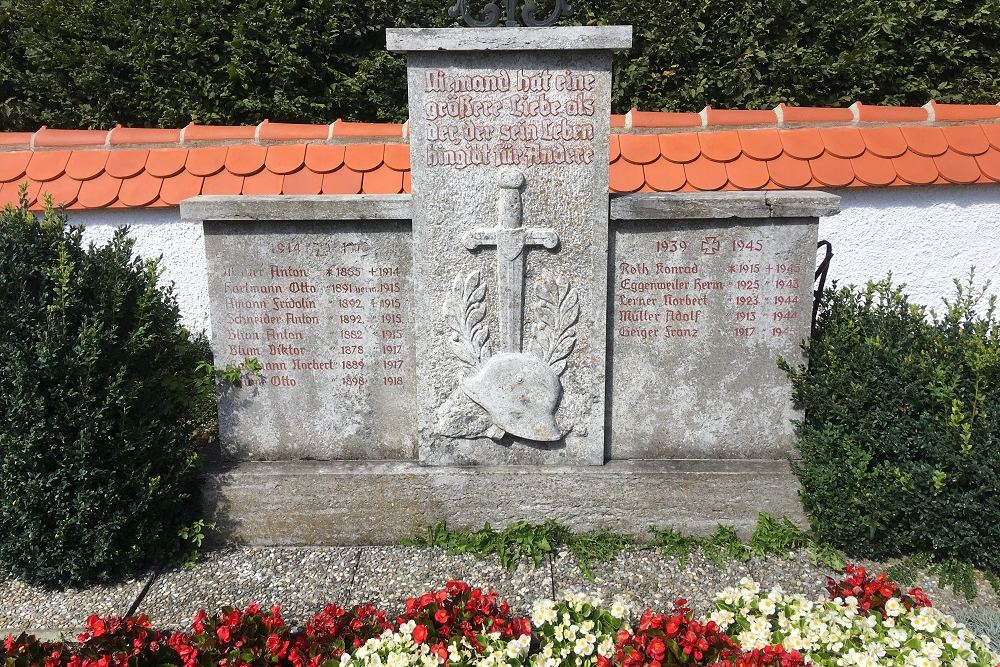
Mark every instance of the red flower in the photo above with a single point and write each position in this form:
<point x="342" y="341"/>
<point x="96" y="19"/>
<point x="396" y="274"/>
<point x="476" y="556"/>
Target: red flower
<point x="223" y="633"/>
<point x="420" y="634"/>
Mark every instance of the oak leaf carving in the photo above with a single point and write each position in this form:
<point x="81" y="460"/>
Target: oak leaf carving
<point x="465" y="312"/>
<point x="557" y="313"/>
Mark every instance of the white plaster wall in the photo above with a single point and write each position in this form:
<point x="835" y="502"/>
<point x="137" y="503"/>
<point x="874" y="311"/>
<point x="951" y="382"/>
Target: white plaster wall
<point x="926" y="236"/>
<point x="161" y="233"/>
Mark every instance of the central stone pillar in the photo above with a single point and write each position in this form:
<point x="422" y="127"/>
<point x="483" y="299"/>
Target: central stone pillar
<point x="509" y="145"/>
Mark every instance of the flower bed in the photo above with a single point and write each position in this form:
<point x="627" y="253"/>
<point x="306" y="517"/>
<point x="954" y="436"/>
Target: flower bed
<point x="866" y="621"/>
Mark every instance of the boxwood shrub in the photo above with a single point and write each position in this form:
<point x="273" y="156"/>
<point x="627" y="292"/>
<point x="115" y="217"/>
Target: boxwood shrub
<point x="900" y="447"/>
<point x="100" y="393"/>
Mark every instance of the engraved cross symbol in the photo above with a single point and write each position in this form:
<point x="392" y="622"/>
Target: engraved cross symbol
<point x="510" y="238"/>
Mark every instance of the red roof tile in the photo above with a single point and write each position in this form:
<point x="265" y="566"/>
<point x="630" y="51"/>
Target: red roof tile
<point x="292" y="131"/>
<point x="760" y="144"/>
<point x="803" y="115"/>
<point x="140" y="191"/>
<point x="747" y="173"/>
<point x="989" y="162"/>
<point x="47" y="138"/>
<point x="805" y="143"/>
<point x="915" y="169"/>
<point x="706" y="174"/>
<point x="664" y="175"/>
<point x="323" y="158"/>
<point x="302" y="182"/>
<point x="264" y="182"/>
<point x="344" y="181"/>
<point x="62" y="190"/>
<point x="126" y="164"/>
<point x="12" y="165"/>
<point x="285" y="159"/>
<point x="884" y="141"/>
<point x="363" y="157"/>
<point x="850" y="155"/>
<point x="637" y="148"/>
<point x="946" y="113"/>
<point x="222" y="183"/>
<point x="47" y="165"/>
<point x="966" y="139"/>
<point x="720" y="146"/>
<point x="84" y="165"/>
<point x="99" y="192"/>
<point x="386" y="130"/>
<point x="832" y="171"/>
<point x="206" y="161"/>
<point x="680" y="147"/>
<point x="842" y="141"/>
<point x="143" y="135"/>
<point x="180" y="187"/>
<point x="166" y="162"/>
<point x="245" y="160"/>
<point x="382" y="181"/>
<point x="957" y="168"/>
<point x="16" y="138"/>
<point x="928" y="141"/>
<point x="195" y="132"/>
<point x="789" y="172"/>
<point x="642" y="119"/>
<point x="883" y="114"/>
<point x="626" y="177"/>
<point x="397" y="156"/>
<point x="873" y="170"/>
<point x="738" y="117"/>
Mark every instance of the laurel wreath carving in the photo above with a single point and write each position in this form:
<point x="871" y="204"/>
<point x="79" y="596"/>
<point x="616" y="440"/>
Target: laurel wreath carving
<point x="557" y="312"/>
<point x="465" y="312"/>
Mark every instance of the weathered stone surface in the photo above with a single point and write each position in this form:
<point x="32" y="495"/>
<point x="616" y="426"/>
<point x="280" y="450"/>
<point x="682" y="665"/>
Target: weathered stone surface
<point x="688" y="205"/>
<point x="296" y="207"/>
<point x="326" y="308"/>
<point x="358" y="503"/>
<point x="508" y="140"/>
<point x="510" y="39"/>
<point x="702" y="310"/>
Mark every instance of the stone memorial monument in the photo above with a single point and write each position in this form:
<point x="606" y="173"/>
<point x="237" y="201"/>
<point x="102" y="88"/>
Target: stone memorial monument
<point x="509" y="342"/>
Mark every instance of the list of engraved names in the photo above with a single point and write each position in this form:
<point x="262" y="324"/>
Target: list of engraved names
<point x="325" y="310"/>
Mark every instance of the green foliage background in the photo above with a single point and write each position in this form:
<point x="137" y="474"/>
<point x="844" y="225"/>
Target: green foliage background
<point x="103" y="397"/>
<point x="92" y="63"/>
<point x="900" y="448"/>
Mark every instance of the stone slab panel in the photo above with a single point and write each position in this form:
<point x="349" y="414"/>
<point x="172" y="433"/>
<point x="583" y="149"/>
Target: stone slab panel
<point x="701" y="311"/>
<point x="510" y="178"/>
<point x="688" y="205"/>
<point x="301" y="581"/>
<point x="509" y="39"/>
<point x="326" y="308"/>
<point x="366" y="503"/>
<point x="387" y="576"/>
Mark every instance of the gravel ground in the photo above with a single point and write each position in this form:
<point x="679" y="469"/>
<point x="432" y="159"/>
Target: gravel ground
<point x="28" y="608"/>
<point x="303" y="579"/>
<point x="389" y="575"/>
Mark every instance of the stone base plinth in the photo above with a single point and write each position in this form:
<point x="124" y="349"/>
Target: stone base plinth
<point x="372" y="503"/>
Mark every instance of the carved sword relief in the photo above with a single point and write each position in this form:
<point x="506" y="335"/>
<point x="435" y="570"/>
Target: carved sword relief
<point x="519" y="391"/>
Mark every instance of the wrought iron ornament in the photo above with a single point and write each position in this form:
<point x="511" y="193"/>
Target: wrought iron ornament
<point x="491" y="14"/>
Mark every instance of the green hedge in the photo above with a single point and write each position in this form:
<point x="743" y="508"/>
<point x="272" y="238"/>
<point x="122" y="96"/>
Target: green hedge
<point x="900" y="448"/>
<point x="92" y="63"/>
<point x="102" y="395"/>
